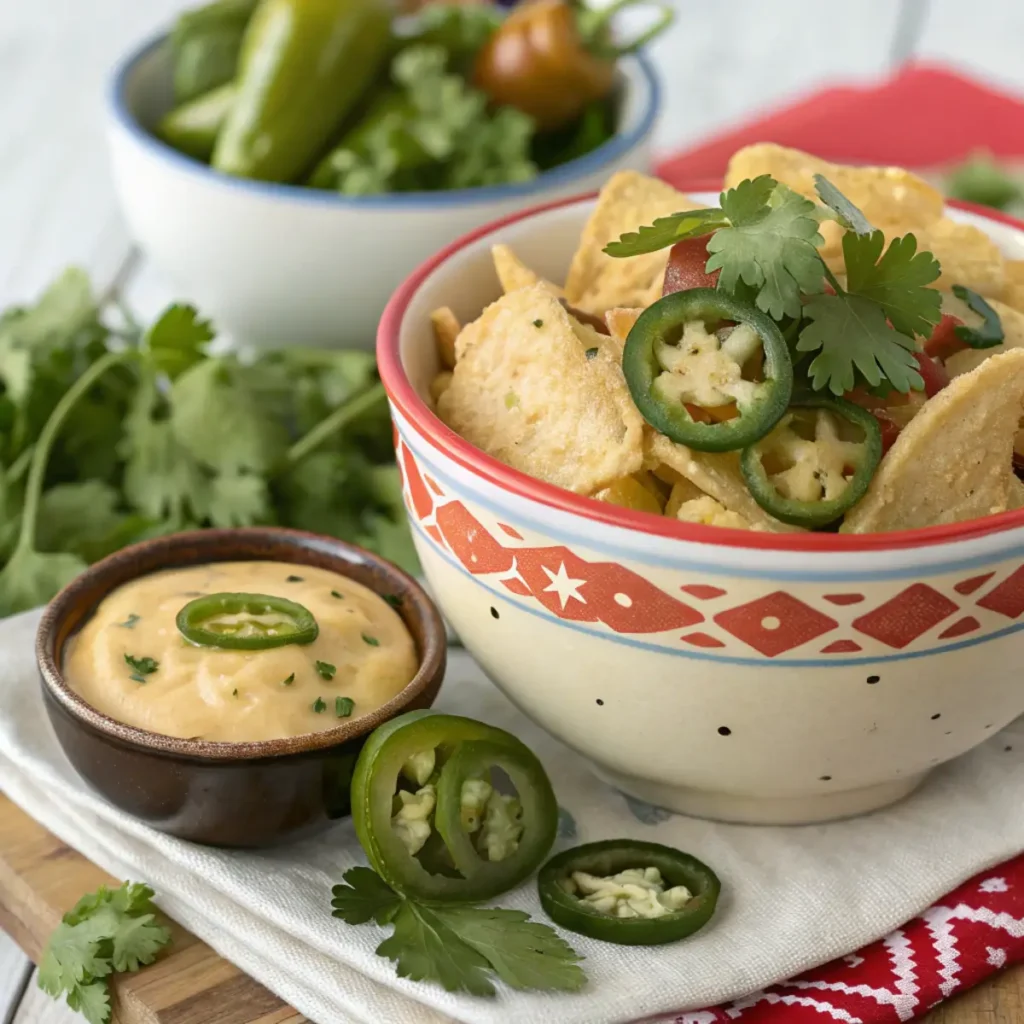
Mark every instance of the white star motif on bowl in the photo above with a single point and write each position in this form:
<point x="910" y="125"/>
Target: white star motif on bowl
<point x="563" y="585"/>
<point x="994" y="885"/>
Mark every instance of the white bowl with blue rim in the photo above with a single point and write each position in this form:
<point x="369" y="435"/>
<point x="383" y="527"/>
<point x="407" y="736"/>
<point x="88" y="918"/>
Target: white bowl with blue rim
<point x="751" y="677"/>
<point x="280" y="265"/>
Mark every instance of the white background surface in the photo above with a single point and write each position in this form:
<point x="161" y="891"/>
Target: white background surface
<point x="720" y="63"/>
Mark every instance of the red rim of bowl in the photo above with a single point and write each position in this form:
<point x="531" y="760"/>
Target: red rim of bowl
<point x="446" y="442"/>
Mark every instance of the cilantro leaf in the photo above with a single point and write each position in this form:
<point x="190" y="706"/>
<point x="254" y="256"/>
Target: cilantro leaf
<point x="523" y="953"/>
<point x="238" y="499"/>
<point x="92" y="1001"/>
<point x="367" y="897"/>
<point x="770" y="246"/>
<point x="144" y="666"/>
<point x="31" y="578"/>
<point x="990" y="333"/>
<point x="176" y="340"/>
<point x="215" y="419"/>
<point x="106" y="931"/>
<point x="854" y="337"/>
<point x="666" y="231"/>
<point x="82" y="519"/>
<point x="897" y="282"/>
<point x="846" y="214"/>
<point x="424" y="948"/>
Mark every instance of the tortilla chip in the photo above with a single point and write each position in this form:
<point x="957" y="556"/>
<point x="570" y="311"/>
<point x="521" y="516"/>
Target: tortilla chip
<point x="513" y="273"/>
<point x="967" y="255"/>
<point x="1013" y="284"/>
<point x="683" y="490"/>
<point x="954" y="460"/>
<point x="439" y="385"/>
<point x="709" y="512"/>
<point x="970" y="359"/>
<point x="446" y="330"/>
<point x="525" y="392"/>
<point x="628" y="201"/>
<point x="620" y="322"/>
<point x="716" y="474"/>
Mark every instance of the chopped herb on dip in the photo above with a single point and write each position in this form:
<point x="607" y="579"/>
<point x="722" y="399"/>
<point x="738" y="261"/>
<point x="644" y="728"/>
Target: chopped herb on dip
<point x="343" y="706"/>
<point x="326" y="669"/>
<point x="319" y="706"/>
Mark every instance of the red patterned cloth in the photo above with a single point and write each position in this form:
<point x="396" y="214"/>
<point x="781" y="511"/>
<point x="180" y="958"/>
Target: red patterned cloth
<point x="956" y="943"/>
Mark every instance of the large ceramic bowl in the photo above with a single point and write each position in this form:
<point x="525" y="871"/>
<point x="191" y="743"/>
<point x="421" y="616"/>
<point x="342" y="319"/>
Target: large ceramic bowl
<point x="227" y="794"/>
<point x="744" y="676"/>
<point x="278" y="265"/>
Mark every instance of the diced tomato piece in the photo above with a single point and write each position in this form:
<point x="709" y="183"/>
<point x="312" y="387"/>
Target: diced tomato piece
<point x="686" y="264"/>
<point x="943" y="342"/>
<point x="932" y="372"/>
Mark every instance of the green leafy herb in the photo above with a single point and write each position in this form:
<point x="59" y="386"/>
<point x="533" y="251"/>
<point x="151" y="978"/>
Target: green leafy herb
<point x="143" y="666"/>
<point x="981" y="179"/>
<point x="848" y="215"/>
<point x="538" y="323"/>
<point x="344" y="706"/>
<point x="325" y="669"/>
<point x="293" y="579"/>
<point x="288" y="680"/>
<point x="460" y="947"/>
<point x="591" y="353"/>
<point x="106" y="932"/>
<point x="394" y="600"/>
<point x="990" y="333"/>
<point x="460" y="29"/>
<point x="666" y="231"/>
<point x="371" y="640"/>
<point x="770" y="245"/>
<point x="129" y="623"/>
<point x="319" y="706"/>
<point x="340" y="597"/>
<point x="113" y="435"/>
<point x="869" y="328"/>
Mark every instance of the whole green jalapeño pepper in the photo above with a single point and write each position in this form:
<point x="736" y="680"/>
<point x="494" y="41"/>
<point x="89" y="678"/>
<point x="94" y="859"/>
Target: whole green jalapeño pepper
<point x="303" y="67"/>
<point x="476" y="846"/>
<point x="811" y="478"/>
<point x="558" y="891"/>
<point x="674" y="355"/>
<point x="246" y="622"/>
<point x="193" y="127"/>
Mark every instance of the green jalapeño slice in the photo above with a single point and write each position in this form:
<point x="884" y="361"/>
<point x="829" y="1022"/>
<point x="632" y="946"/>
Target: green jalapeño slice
<point x="817" y="462"/>
<point x="246" y="622"/>
<point x="435" y="812"/>
<point x="707" y="370"/>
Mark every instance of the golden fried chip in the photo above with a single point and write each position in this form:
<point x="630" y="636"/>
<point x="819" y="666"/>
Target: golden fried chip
<point x="525" y="391"/>
<point x="966" y="254"/>
<point x="716" y="474"/>
<point x="439" y="385"/>
<point x="446" y="330"/>
<point x="628" y="201"/>
<point x="1013" y="284"/>
<point x="954" y="460"/>
<point x="890" y="197"/>
<point x="513" y="273"/>
<point x="971" y="358"/>
<point x="683" y="490"/>
<point x="709" y="512"/>
<point x="620" y="322"/>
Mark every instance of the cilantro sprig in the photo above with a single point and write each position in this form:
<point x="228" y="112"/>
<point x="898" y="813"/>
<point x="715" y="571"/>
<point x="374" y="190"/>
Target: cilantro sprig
<point x="111" y="433"/>
<point x="109" y="931"/>
<point x="459" y="947"/>
<point x="764" y="244"/>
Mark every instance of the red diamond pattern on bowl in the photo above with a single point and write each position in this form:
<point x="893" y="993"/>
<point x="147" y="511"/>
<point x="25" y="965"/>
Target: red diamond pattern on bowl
<point x="971" y="585"/>
<point x="699" y="639"/>
<point x="960" y="627"/>
<point x="1008" y="597"/>
<point x="842" y="647"/>
<point x="844" y="598"/>
<point x="905" y="617"/>
<point x="702" y="591"/>
<point x="775" y="623"/>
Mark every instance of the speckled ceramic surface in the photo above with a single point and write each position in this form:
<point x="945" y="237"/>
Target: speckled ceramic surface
<point x="227" y="794"/>
<point x="729" y="674"/>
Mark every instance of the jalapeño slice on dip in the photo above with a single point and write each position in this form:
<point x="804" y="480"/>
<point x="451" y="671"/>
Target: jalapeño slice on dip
<point x="233" y="652"/>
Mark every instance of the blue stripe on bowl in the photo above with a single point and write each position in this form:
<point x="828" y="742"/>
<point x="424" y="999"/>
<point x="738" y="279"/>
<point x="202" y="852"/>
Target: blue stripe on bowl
<point x="695" y="655"/>
<point x="558" y="177"/>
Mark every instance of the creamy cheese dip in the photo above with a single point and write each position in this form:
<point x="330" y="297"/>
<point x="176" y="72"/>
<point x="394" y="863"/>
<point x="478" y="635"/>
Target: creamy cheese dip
<point x="236" y="695"/>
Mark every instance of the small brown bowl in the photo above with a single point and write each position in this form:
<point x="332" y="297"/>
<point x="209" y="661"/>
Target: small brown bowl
<point x="227" y="794"/>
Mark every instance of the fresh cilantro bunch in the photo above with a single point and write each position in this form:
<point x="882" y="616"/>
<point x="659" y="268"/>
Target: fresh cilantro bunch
<point x="459" y="947"/>
<point x="432" y="130"/>
<point x="764" y="243"/>
<point x="111" y="930"/>
<point x="110" y="434"/>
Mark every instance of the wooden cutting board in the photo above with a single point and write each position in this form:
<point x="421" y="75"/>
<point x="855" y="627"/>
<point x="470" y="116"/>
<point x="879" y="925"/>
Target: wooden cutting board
<point x="41" y="878"/>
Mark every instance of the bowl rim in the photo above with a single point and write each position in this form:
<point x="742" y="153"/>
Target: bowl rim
<point x="446" y="443"/>
<point x="561" y="176"/>
<point x="162" y="553"/>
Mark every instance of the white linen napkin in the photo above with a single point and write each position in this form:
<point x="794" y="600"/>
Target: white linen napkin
<point x="792" y="897"/>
